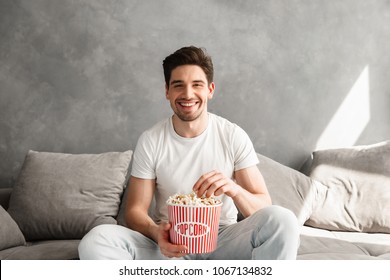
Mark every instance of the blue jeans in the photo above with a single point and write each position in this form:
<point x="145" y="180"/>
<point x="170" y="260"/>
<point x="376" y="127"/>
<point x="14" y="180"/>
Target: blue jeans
<point x="271" y="233"/>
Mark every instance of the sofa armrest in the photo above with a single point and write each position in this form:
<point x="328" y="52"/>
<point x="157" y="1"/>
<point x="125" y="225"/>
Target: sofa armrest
<point x="5" y="194"/>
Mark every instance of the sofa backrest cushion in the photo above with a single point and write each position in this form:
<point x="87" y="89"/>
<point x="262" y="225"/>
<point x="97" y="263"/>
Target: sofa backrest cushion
<point x="63" y="196"/>
<point x="356" y="188"/>
<point x="289" y="188"/>
<point x="10" y="234"/>
<point x="5" y="194"/>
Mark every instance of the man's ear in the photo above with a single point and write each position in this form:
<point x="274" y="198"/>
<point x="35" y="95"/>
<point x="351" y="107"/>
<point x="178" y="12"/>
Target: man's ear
<point x="166" y="91"/>
<point x="211" y="90"/>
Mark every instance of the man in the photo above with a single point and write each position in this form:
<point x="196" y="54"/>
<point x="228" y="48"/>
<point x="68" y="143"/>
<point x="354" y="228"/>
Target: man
<point x="195" y="150"/>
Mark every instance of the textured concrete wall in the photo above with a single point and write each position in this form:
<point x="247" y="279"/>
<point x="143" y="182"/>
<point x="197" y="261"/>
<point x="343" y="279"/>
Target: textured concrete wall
<point x="85" y="76"/>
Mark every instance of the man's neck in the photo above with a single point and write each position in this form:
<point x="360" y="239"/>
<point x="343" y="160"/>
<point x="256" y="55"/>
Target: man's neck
<point x="190" y="129"/>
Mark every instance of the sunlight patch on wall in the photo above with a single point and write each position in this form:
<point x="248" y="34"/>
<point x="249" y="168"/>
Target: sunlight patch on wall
<point x="351" y="118"/>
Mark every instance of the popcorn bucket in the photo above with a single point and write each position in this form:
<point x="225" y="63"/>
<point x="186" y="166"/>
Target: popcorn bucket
<point x="194" y="226"/>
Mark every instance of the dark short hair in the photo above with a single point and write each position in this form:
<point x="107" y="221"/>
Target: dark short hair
<point x="189" y="56"/>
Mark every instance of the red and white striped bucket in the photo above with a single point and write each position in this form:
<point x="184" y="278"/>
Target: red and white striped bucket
<point x="194" y="226"/>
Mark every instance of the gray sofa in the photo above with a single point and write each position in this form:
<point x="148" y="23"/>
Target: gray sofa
<point x="341" y="200"/>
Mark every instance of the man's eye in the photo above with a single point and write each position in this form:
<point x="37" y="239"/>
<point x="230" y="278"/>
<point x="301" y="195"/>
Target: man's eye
<point x="197" y="85"/>
<point x="178" y="86"/>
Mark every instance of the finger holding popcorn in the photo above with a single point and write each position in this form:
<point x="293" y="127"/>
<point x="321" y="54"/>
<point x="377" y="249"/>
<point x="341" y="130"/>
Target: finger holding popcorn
<point x="215" y="183"/>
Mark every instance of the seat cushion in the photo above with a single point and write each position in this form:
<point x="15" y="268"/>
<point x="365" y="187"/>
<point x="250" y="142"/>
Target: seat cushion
<point x="43" y="250"/>
<point x="317" y="244"/>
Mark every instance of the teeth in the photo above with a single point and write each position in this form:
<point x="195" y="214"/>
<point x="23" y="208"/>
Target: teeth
<point x="187" y="104"/>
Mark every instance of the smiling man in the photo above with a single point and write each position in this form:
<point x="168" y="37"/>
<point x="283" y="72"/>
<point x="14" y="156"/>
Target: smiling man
<point x="188" y="93"/>
<point x="198" y="151"/>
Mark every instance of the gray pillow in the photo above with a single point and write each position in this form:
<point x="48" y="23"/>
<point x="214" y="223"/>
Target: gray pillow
<point x="357" y="192"/>
<point x="289" y="188"/>
<point x="63" y="196"/>
<point x="10" y="234"/>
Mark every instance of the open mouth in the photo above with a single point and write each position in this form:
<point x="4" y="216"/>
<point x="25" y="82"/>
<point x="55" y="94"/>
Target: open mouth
<point x="187" y="105"/>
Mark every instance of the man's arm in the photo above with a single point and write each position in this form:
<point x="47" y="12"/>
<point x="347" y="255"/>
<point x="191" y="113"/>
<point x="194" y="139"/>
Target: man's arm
<point x="140" y="195"/>
<point x="139" y="198"/>
<point x="253" y="193"/>
<point x="249" y="191"/>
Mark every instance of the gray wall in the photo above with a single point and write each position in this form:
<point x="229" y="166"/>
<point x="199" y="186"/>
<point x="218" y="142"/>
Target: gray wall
<point x="85" y="76"/>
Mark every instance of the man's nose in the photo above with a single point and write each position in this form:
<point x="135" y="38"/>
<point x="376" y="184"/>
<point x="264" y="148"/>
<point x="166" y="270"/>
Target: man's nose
<point x="188" y="91"/>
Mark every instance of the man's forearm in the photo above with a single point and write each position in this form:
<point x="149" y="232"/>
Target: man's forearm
<point x="143" y="223"/>
<point x="248" y="203"/>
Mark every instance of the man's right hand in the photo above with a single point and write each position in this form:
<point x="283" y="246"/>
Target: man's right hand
<point x="167" y="248"/>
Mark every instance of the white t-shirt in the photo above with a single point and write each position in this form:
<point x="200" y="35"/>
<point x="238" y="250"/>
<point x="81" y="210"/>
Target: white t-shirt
<point x="177" y="162"/>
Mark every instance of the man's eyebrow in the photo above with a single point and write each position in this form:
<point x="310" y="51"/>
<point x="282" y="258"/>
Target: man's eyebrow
<point x="181" y="82"/>
<point x="176" y="82"/>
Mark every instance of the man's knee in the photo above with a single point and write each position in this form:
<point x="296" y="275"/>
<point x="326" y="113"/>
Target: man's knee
<point x="90" y="242"/>
<point x="280" y="219"/>
<point x="285" y="216"/>
<point x="98" y="232"/>
<point x="277" y="236"/>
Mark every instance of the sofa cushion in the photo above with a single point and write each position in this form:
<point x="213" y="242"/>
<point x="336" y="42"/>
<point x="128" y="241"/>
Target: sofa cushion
<point x="43" y="250"/>
<point x="5" y="194"/>
<point x="324" y="248"/>
<point x="10" y="234"/>
<point x="289" y="188"/>
<point x="356" y="188"/>
<point x="63" y="196"/>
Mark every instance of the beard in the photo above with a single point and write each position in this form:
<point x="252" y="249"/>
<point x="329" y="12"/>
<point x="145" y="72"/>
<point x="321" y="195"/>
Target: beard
<point x="187" y="117"/>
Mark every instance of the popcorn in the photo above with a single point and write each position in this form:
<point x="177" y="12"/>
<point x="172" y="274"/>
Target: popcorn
<point x="192" y="199"/>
